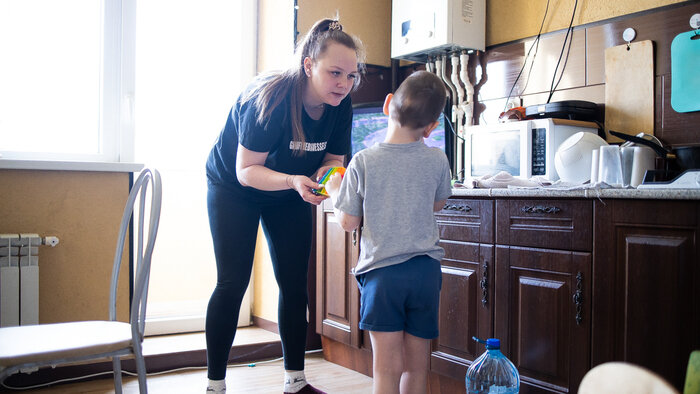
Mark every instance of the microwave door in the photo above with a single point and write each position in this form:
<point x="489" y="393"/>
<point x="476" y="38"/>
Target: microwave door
<point x="491" y="152"/>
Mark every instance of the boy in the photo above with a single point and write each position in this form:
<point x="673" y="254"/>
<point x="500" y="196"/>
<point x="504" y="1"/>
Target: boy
<point x="395" y="186"/>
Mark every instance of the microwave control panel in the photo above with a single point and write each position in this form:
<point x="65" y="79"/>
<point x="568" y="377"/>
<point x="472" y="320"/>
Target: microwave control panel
<point x="539" y="151"/>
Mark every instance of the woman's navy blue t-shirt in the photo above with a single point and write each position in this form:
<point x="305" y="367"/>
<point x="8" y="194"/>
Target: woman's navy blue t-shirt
<point x="331" y="133"/>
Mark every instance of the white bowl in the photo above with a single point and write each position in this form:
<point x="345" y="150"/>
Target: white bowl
<point x="573" y="158"/>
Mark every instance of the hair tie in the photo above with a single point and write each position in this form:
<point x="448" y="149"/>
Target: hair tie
<point x="335" y="25"/>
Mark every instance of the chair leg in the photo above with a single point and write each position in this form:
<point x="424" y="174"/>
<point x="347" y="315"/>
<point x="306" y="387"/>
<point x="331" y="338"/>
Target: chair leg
<point x="140" y="368"/>
<point x="117" y="370"/>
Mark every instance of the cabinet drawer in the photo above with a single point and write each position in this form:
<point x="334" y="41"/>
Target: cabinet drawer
<point x="466" y="220"/>
<point x="555" y="224"/>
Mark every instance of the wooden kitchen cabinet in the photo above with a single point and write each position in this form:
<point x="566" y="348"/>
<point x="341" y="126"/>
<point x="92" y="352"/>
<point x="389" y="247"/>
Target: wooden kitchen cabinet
<point x="543" y="315"/>
<point x="543" y="282"/>
<point x="554" y="224"/>
<point x="535" y="299"/>
<point x="646" y="306"/>
<point x="338" y="297"/>
<point x="564" y="283"/>
<point x="466" y="234"/>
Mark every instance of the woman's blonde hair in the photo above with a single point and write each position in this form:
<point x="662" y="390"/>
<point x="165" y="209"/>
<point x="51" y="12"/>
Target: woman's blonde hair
<point x="277" y="85"/>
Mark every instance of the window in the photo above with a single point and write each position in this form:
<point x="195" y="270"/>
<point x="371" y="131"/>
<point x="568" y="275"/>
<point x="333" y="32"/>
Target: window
<point x="61" y="94"/>
<point x="147" y="81"/>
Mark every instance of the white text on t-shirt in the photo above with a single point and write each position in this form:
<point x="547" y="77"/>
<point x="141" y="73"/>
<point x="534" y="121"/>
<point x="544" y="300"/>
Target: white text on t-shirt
<point x="308" y="146"/>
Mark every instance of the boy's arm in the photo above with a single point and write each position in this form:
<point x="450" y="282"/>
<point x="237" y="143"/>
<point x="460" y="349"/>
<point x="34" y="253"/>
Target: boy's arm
<point x="347" y="222"/>
<point x="445" y="187"/>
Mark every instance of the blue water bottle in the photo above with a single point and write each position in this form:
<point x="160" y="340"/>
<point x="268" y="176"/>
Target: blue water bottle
<point x="492" y="372"/>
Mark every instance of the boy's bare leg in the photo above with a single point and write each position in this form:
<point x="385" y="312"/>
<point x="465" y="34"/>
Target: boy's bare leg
<point x="414" y="379"/>
<point x="388" y="360"/>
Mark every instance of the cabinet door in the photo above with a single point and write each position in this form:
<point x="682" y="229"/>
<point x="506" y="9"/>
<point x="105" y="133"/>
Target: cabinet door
<point x="466" y="310"/>
<point x="337" y="295"/>
<point x="466" y="298"/>
<point x="542" y="315"/>
<point x="647" y="269"/>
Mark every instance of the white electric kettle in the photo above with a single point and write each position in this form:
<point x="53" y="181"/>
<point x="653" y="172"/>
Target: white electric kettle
<point x="644" y="158"/>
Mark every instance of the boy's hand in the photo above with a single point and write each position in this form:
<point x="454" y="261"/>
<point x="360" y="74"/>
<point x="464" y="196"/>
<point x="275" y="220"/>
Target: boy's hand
<point x="333" y="185"/>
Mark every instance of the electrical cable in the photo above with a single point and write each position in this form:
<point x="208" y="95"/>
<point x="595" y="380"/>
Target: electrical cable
<point x="552" y="87"/>
<point x="129" y="373"/>
<point x="452" y="129"/>
<point x="532" y="63"/>
<point x="537" y="40"/>
<point x="566" y="60"/>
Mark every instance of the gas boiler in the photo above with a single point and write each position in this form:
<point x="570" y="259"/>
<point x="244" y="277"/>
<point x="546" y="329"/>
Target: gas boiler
<point x="422" y="28"/>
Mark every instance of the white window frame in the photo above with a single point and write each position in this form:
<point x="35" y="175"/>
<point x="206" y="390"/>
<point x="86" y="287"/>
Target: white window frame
<point x="116" y="130"/>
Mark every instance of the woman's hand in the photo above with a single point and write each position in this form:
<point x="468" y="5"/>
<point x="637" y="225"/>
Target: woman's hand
<point x="303" y="186"/>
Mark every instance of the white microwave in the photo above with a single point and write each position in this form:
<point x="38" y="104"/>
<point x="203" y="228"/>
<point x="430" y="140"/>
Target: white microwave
<point x="523" y="149"/>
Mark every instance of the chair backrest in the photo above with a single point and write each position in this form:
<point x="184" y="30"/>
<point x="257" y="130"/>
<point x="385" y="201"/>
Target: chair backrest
<point x="143" y="215"/>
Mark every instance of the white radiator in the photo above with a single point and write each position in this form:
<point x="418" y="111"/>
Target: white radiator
<point x="19" y="278"/>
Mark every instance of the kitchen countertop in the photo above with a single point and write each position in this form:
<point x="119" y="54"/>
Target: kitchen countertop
<point x="648" y="194"/>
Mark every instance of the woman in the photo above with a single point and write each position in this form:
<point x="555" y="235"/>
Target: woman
<point x="284" y="131"/>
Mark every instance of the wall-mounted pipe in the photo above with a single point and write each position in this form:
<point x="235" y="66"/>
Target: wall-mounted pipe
<point x="429" y="66"/>
<point x="450" y="86"/>
<point x="455" y="79"/>
<point x="469" y="87"/>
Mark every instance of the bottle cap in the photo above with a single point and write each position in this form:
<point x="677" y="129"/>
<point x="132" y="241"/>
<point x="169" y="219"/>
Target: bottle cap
<point x="493" y="343"/>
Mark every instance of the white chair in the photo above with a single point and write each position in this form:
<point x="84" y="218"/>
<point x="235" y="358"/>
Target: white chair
<point x="29" y="347"/>
<point x="618" y="377"/>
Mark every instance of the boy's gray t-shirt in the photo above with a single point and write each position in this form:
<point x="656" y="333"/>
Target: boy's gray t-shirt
<point x="394" y="187"/>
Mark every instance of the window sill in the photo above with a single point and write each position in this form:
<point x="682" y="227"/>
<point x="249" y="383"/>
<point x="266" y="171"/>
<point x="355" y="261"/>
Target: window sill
<point x="10" y="164"/>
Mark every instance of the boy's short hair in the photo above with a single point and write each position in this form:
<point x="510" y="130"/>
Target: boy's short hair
<point x="418" y="101"/>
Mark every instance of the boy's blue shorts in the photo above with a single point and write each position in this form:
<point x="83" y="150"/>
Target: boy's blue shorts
<point x="402" y="297"/>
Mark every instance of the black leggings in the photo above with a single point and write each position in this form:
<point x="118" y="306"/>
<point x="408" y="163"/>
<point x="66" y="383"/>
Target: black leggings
<point x="234" y="224"/>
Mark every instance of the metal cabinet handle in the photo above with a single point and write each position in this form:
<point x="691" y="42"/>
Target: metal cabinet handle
<point x="540" y="209"/>
<point x="578" y="298"/>
<point x="354" y="237"/>
<point x="485" y="284"/>
<point x="455" y="207"/>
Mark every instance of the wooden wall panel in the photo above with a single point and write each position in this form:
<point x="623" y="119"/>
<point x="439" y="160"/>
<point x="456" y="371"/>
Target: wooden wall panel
<point x="507" y="20"/>
<point x="369" y="20"/>
<point x="83" y="209"/>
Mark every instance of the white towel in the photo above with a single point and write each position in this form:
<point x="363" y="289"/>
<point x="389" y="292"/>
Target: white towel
<point x="504" y="180"/>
